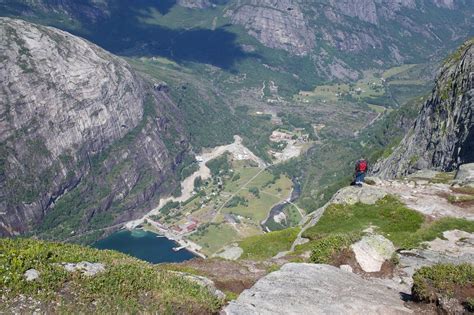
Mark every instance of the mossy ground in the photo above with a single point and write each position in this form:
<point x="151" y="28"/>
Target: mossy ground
<point x="127" y="286"/>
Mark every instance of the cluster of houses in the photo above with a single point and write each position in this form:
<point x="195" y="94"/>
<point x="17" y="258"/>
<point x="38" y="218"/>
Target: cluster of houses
<point x="188" y="227"/>
<point x="278" y="136"/>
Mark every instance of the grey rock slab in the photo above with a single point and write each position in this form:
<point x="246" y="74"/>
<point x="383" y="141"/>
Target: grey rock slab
<point x="346" y="268"/>
<point x="352" y="195"/>
<point x="316" y="289"/>
<point x="465" y="174"/>
<point x="31" y="275"/>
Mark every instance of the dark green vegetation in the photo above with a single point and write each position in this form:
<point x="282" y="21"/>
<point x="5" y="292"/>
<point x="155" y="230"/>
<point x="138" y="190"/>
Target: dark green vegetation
<point x="324" y="249"/>
<point x="445" y="280"/>
<point x="327" y="167"/>
<point x="219" y="165"/>
<point x="128" y="285"/>
<point x="75" y="213"/>
<point x="268" y="245"/>
<point x="341" y="225"/>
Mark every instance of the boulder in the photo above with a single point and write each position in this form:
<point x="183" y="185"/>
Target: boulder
<point x="372" y="251"/>
<point x="316" y="289"/>
<point x="86" y="268"/>
<point x="465" y="175"/>
<point x="31" y="275"/>
<point x="353" y="194"/>
<point x="231" y="253"/>
<point x="346" y="268"/>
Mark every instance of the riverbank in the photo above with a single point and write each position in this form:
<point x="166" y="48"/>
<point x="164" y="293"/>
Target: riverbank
<point x="158" y="229"/>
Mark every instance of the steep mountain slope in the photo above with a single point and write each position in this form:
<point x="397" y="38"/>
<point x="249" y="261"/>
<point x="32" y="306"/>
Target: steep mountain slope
<point x="333" y="33"/>
<point x="325" y="38"/>
<point x="83" y="139"/>
<point x="442" y="137"/>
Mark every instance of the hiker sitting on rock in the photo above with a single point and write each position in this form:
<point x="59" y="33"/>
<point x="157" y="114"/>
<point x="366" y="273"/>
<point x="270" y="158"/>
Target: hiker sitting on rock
<point x="360" y="171"/>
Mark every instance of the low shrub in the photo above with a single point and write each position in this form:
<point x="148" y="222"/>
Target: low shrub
<point x="432" y="283"/>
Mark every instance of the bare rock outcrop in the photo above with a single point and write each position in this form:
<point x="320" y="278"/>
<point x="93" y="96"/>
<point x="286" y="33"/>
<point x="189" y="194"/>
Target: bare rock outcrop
<point x="316" y="289"/>
<point x="442" y="137"/>
<point x="68" y="107"/>
<point x="465" y="175"/>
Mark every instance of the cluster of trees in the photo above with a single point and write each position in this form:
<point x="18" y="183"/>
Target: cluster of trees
<point x="236" y="201"/>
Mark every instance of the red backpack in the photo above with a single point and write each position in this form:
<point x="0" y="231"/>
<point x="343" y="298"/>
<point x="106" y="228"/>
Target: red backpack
<point x="362" y="166"/>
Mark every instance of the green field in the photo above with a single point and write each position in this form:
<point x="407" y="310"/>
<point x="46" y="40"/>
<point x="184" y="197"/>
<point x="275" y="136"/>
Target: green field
<point x="397" y="70"/>
<point x="268" y="245"/>
<point x="368" y="87"/>
<point x="271" y="192"/>
<point x="214" y="236"/>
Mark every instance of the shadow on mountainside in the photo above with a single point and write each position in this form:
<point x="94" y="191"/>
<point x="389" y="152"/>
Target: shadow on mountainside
<point x="132" y="28"/>
<point x="125" y="32"/>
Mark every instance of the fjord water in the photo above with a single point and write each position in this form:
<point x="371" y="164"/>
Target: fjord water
<point x="144" y="245"/>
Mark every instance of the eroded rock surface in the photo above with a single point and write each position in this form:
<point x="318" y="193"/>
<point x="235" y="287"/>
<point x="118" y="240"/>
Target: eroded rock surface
<point x="353" y="194"/>
<point x="276" y="23"/>
<point x="316" y="289"/>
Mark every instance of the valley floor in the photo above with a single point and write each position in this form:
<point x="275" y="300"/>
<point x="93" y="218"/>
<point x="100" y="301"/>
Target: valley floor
<point x="228" y="206"/>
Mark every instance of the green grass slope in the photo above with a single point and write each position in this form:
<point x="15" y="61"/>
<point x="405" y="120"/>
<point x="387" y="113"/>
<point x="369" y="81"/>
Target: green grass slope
<point x="127" y="286"/>
<point x="342" y="225"/>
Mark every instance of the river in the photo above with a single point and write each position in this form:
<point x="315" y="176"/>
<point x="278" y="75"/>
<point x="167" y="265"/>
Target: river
<point x="295" y="194"/>
<point x="144" y="245"/>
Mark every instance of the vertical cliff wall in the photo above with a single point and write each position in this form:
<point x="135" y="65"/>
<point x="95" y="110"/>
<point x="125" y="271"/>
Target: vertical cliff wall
<point x="442" y="137"/>
<point x="85" y="142"/>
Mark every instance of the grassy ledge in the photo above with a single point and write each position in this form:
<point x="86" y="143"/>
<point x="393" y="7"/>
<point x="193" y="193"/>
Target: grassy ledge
<point x="265" y="246"/>
<point x="406" y="228"/>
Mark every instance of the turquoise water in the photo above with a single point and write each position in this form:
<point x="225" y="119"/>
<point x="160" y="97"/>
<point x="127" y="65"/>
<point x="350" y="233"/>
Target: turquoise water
<point x="144" y="245"/>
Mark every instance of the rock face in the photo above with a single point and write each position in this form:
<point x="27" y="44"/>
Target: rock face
<point x="67" y="107"/>
<point x="442" y="137"/>
<point x="350" y="27"/>
<point x="276" y="24"/>
<point x="195" y="4"/>
<point x="316" y="289"/>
